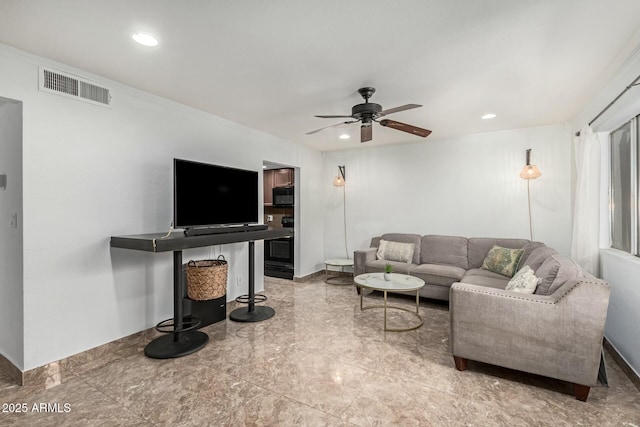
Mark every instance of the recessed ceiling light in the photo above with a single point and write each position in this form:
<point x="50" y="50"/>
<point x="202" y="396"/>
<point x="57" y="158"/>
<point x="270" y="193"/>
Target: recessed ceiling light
<point x="145" y="39"/>
<point x="488" y="116"/>
<point x="344" y="136"/>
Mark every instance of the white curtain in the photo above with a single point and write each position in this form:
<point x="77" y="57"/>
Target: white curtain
<point x="586" y="215"/>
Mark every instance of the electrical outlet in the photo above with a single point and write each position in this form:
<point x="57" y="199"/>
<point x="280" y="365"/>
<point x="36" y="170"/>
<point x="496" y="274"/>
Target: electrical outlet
<point x="14" y="220"/>
<point x="269" y="218"/>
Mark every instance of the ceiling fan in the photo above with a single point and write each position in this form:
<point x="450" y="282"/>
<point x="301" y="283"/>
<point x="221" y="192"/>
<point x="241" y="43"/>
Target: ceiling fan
<point x="370" y="112"/>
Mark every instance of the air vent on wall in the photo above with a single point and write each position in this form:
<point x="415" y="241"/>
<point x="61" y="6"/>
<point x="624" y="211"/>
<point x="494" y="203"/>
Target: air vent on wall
<point x="71" y="86"/>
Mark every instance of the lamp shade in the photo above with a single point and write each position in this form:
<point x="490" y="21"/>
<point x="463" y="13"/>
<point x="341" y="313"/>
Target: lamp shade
<point x="338" y="181"/>
<point x="530" y="172"/>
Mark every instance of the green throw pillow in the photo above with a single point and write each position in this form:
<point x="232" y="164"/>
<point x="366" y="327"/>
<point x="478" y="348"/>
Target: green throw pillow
<point x="502" y="260"/>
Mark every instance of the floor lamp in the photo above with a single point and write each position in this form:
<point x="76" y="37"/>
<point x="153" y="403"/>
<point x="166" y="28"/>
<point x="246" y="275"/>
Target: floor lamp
<point x="339" y="181"/>
<point x="530" y="172"/>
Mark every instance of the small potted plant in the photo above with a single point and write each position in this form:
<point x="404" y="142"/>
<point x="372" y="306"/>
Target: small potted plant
<point x="388" y="269"/>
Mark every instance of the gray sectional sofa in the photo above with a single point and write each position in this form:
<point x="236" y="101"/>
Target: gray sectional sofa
<point x="555" y="332"/>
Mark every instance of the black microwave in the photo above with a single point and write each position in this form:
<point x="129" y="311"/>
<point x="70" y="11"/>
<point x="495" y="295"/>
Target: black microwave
<point x="283" y="196"/>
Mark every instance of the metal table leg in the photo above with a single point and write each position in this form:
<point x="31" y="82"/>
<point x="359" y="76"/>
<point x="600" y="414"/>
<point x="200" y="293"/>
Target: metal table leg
<point x="179" y="342"/>
<point x="253" y="313"/>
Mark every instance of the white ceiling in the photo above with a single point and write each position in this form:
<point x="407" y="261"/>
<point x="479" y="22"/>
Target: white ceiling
<point x="272" y="65"/>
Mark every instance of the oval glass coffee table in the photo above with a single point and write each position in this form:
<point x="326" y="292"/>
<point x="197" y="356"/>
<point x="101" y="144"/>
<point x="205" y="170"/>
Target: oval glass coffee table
<point x="398" y="283"/>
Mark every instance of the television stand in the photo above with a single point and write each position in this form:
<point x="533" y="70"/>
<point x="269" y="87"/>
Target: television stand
<point x="223" y="230"/>
<point x="180" y="342"/>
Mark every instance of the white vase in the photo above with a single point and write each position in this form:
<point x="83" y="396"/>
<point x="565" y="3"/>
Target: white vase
<point x="387" y="276"/>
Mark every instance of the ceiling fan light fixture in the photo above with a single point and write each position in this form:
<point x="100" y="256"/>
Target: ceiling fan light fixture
<point x="145" y="39"/>
<point x="488" y="116"/>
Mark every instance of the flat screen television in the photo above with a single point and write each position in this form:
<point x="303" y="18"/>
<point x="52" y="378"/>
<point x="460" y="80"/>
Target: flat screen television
<point x="207" y="195"/>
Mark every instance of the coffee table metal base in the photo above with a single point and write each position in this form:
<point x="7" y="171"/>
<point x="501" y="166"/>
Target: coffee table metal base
<point x="339" y="277"/>
<point x="386" y="306"/>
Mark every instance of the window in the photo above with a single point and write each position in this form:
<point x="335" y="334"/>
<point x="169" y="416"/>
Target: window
<point x="624" y="182"/>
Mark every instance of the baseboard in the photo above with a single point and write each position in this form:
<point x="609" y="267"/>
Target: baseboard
<point x="321" y="273"/>
<point x="308" y="277"/>
<point x="55" y="373"/>
<point x="14" y="372"/>
<point x="617" y="357"/>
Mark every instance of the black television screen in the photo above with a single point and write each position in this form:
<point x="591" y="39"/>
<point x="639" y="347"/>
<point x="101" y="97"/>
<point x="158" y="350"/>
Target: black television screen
<point x="210" y="195"/>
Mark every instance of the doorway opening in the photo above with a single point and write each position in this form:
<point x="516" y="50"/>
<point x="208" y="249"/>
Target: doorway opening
<point x="281" y="207"/>
<point x="11" y="238"/>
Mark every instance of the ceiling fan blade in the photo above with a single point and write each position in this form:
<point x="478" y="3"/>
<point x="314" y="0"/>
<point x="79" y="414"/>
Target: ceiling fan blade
<point x="334" y="117"/>
<point x="401" y="108"/>
<point x="366" y="133"/>
<point x="326" y="127"/>
<point x="405" y="127"/>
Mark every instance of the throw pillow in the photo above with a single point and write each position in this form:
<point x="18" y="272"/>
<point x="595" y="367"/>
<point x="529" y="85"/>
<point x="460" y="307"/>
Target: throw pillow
<point x="537" y="257"/>
<point x="395" y="251"/>
<point x="527" y="251"/>
<point x="524" y="281"/>
<point x="502" y="260"/>
<point x="554" y="272"/>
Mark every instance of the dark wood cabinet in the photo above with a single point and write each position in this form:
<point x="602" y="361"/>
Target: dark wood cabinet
<point x="282" y="177"/>
<point x="268" y="187"/>
<point x="276" y="178"/>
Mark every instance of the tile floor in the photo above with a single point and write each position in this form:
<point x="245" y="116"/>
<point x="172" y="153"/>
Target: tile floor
<point x="319" y="361"/>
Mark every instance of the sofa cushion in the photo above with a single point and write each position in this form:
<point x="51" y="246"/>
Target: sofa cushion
<point x="502" y="260"/>
<point x="483" y="273"/>
<point x="499" y="282"/>
<point x="524" y="281"/>
<point x="446" y="250"/>
<point x="480" y="246"/>
<point x="537" y="257"/>
<point x="554" y="272"/>
<point x="395" y="251"/>
<point x="406" y="238"/>
<point x="527" y="251"/>
<point x="378" y="265"/>
<point x="480" y="277"/>
<point x="438" y="274"/>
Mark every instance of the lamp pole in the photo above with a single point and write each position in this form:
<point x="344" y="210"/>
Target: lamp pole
<point x="529" y="203"/>
<point x="528" y="173"/>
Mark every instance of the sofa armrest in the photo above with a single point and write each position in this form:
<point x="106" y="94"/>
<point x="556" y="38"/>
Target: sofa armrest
<point x="361" y="258"/>
<point x="558" y="335"/>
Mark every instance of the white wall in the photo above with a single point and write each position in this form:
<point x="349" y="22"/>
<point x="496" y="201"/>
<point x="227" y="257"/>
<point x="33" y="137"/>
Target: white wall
<point x="623" y="318"/>
<point x="11" y="302"/>
<point x="92" y="172"/>
<point x="465" y="186"/>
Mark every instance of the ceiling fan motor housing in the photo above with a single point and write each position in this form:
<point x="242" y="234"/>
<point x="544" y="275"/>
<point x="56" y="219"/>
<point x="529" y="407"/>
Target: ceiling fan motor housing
<point x="367" y="110"/>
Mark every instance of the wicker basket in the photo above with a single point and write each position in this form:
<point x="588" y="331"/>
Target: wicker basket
<point x="207" y="279"/>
